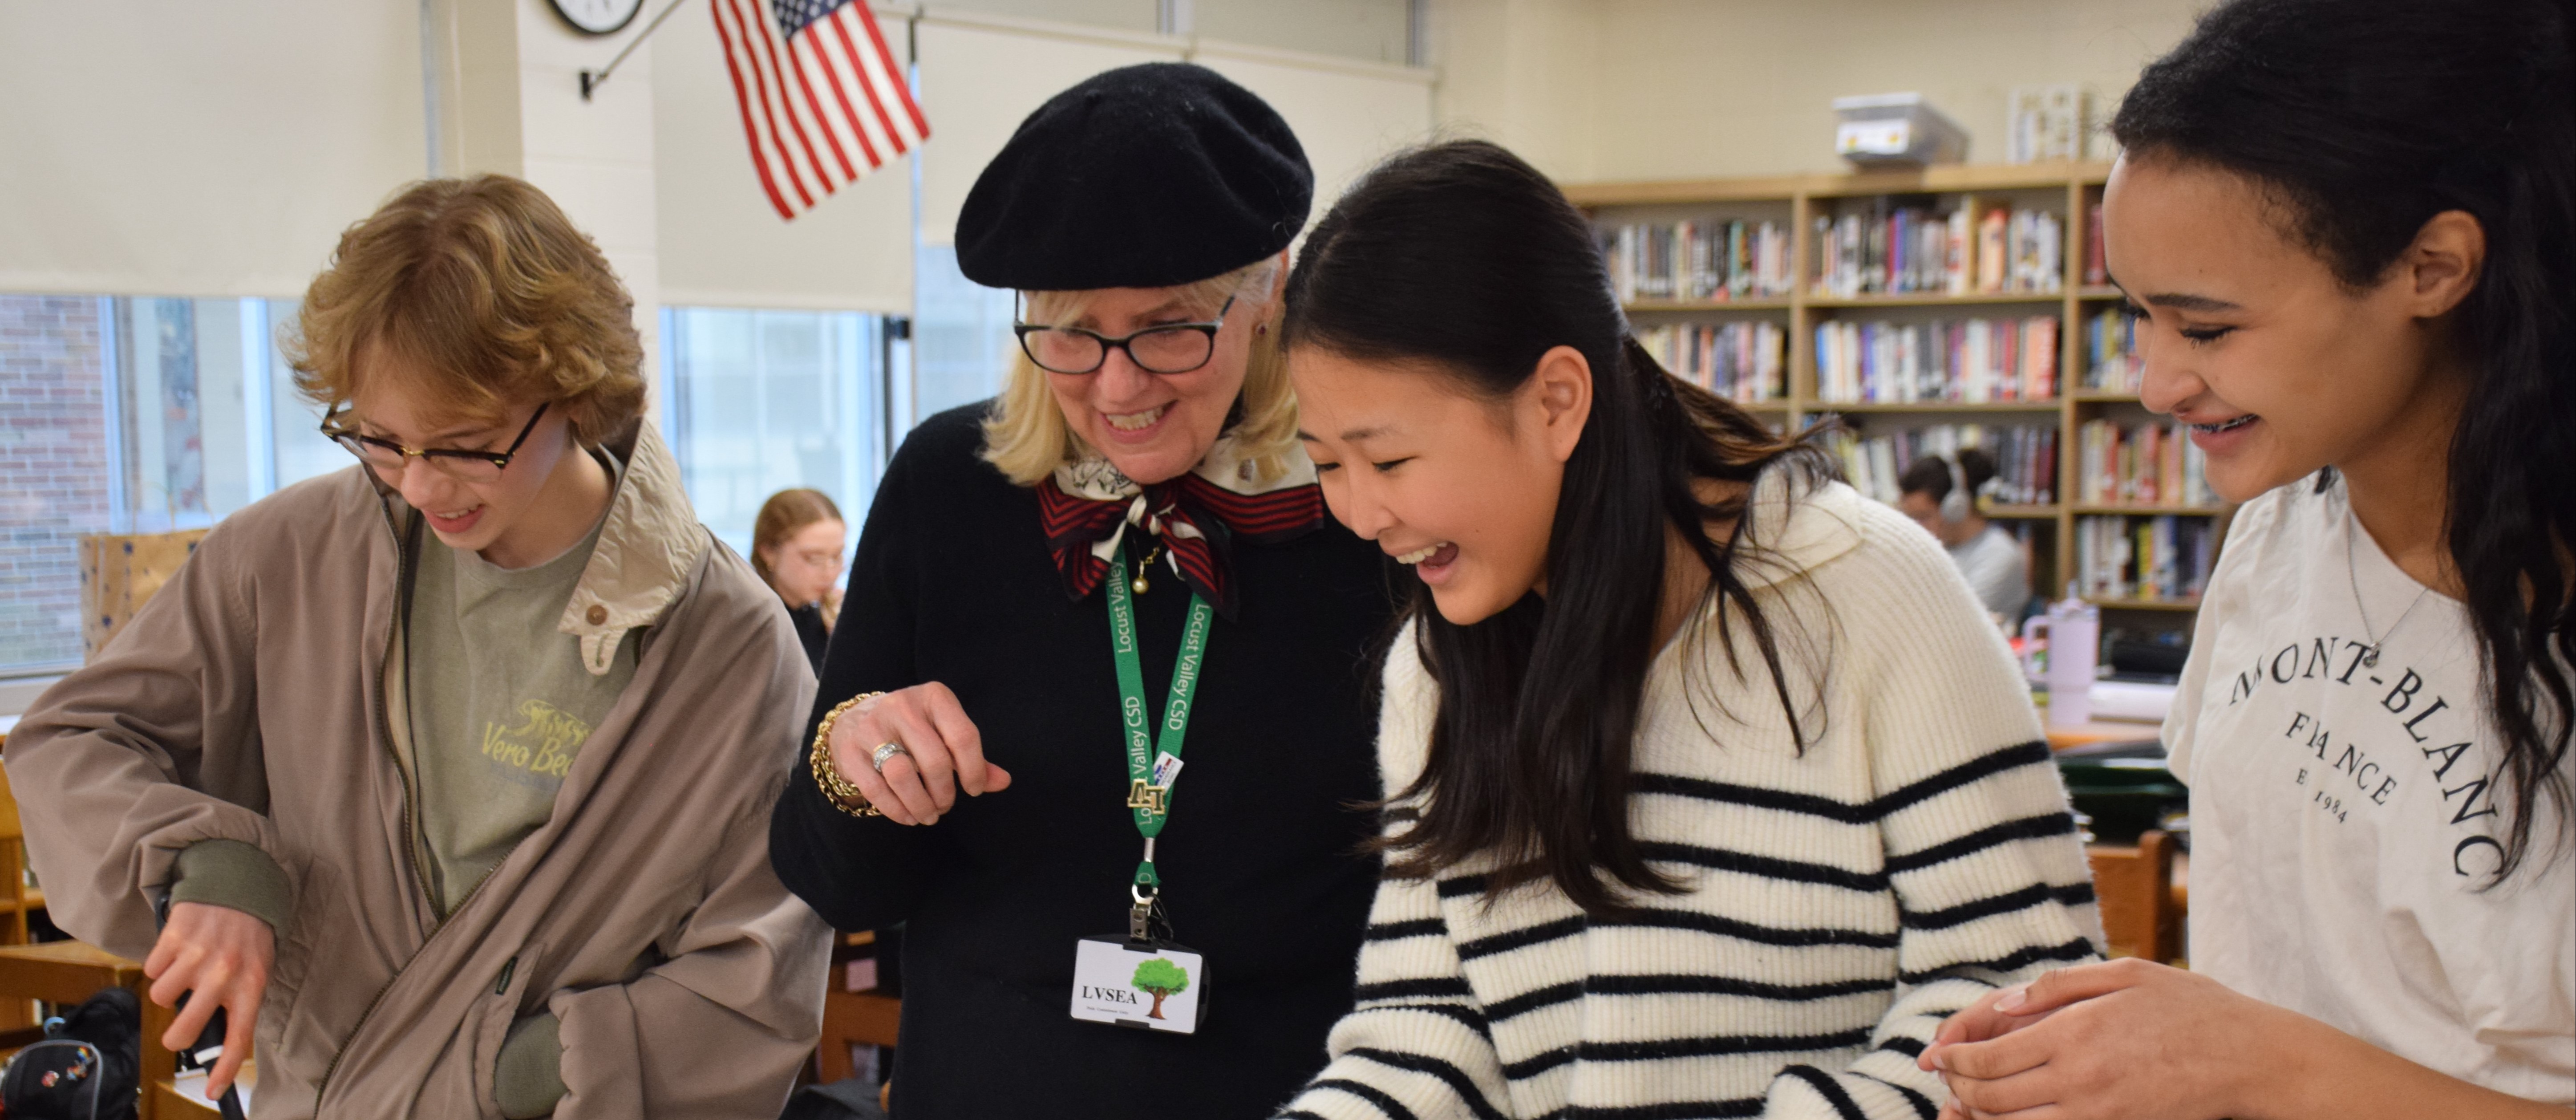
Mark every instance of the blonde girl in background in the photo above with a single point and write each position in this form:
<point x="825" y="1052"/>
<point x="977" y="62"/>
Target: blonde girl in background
<point x="797" y="546"/>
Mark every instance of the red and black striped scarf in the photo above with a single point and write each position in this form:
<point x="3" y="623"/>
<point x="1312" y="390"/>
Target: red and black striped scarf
<point x="1196" y="521"/>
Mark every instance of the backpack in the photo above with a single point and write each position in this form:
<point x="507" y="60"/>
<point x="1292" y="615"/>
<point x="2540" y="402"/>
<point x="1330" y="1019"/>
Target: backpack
<point x="87" y="1067"/>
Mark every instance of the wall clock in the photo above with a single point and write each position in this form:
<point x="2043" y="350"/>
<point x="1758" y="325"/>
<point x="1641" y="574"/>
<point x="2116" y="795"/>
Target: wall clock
<point x="597" y="17"/>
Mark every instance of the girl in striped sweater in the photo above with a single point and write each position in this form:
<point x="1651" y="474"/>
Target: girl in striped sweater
<point x="1710" y="790"/>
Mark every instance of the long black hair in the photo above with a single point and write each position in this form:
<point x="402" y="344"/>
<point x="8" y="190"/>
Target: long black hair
<point x="1462" y="258"/>
<point x="2366" y="118"/>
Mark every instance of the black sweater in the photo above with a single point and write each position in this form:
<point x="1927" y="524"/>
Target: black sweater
<point x="952" y="583"/>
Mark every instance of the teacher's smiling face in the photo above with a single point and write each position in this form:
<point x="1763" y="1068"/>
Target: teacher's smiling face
<point x="1156" y="405"/>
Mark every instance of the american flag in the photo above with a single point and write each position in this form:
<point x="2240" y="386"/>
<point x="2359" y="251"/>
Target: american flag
<point x="823" y="101"/>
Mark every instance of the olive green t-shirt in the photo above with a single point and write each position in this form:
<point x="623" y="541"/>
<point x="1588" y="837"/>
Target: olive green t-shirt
<point x="500" y="704"/>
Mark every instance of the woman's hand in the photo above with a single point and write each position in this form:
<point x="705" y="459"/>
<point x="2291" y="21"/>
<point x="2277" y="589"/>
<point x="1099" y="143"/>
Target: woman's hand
<point x="2129" y="1040"/>
<point x="223" y="955"/>
<point x="942" y="751"/>
<point x="2111" y="1041"/>
<point x="1981" y="1020"/>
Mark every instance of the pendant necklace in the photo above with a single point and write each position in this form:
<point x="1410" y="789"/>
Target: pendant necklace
<point x="2352" y="573"/>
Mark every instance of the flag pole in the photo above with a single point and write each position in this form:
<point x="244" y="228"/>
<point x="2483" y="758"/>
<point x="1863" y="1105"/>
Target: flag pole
<point x="592" y="80"/>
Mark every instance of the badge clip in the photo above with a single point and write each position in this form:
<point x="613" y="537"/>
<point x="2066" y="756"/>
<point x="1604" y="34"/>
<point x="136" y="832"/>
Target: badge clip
<point x="1142" y="795"/>
<point x="1147" y="922"/>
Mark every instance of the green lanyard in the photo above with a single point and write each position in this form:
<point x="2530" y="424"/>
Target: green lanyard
<point x="1151" y="801"/>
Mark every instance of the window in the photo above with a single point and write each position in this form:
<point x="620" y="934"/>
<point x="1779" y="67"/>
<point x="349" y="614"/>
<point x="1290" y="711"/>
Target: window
<point x="53" y="471"/>
<point x="965" y="330"/>
<point x="761" y="401"/>
<point x="131" y="415"/>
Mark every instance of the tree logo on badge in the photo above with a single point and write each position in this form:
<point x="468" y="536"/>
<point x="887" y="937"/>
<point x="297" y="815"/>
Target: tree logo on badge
<point x="1160" y="978"/>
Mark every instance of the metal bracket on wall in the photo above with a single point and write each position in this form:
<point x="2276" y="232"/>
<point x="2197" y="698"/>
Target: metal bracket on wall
<point x="591" y="80"/>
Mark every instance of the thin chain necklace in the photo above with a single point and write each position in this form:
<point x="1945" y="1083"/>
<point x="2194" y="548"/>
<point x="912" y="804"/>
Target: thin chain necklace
<point x="2352" y="573"/>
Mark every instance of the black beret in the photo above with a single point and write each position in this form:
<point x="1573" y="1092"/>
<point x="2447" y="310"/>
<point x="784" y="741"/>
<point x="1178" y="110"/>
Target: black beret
<point x="1141" y="177"/>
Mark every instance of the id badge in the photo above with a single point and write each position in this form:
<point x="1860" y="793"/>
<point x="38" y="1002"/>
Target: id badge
<point x="1153" y="985"/>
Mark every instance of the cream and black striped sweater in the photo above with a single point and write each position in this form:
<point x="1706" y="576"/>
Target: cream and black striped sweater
<point x="1839" y="901"/>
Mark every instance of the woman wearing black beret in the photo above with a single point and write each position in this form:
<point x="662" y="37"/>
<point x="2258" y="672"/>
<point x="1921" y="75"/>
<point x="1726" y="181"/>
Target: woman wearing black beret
<point x="1117" y="569"/>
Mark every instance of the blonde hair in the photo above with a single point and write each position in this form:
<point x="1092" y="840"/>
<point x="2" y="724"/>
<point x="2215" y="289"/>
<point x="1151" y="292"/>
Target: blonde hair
<point x="1027" y="438"/>
<point x="491" y="297"/>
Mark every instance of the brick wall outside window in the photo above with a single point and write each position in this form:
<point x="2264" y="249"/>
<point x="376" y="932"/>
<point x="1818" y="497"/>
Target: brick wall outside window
<point x="53" y="470"/>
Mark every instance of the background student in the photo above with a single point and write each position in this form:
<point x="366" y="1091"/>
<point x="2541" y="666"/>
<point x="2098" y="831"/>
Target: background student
<point x="452" y="763"/>
<point x="2350" y="226"/>
<point x="1941" y="496"/>
<point x="1712" y="789"/>
<point x="796" y="546"/>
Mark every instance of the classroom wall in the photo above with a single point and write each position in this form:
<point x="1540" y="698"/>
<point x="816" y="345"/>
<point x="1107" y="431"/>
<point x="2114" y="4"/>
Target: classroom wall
<point x="1368" y="30"/>
<point x="1520" y="73"/>
<point x="239" y="185"/>
<point x="982" y="75"/>
<point x="220" y="148"/>
<point x="1610" y="90"/>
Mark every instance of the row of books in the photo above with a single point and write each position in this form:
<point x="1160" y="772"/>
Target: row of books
<point x="2025" y="458"/>
<point x="2111" y="358"/>
<point x="2154" y="559"/>
<point x="1744" y="362"/>
<point x="1699" y="261"/>
<point x="1973" y="361"/>
<point x="2143" y="465"/>
<point x="1913" y="250"/>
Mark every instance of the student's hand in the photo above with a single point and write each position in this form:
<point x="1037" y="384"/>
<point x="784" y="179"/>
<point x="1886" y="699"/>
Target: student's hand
<point x="1980" y="1021"/>
<point x="942" y="752"/>
<point x="223" y="955"/>
<point x="2121" y="1040"/>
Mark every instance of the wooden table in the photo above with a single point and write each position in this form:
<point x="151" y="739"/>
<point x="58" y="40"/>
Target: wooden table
<point x="2098" y="731"/>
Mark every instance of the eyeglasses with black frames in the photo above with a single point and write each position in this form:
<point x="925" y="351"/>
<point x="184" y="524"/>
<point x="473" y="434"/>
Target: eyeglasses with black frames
<point x="1169" y="348"/>
<point x="464" y="466"/>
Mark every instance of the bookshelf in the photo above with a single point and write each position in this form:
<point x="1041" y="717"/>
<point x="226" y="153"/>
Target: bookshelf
<point x="2060" y="309"/>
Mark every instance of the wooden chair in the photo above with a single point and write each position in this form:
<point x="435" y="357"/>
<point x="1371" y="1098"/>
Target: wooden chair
<point x="67" y="972"/>
<point x="852" y="1018"/>
<point x="62" y="972"/>
<point x="16" y="902"/>
<point x="2136" y="892"/>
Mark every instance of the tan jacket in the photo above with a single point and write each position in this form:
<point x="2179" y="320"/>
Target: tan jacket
<point x="245" y="703"/>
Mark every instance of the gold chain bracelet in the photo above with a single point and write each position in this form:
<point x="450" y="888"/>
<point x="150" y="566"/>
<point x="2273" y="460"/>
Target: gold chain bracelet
<point x="836" y="789"/>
